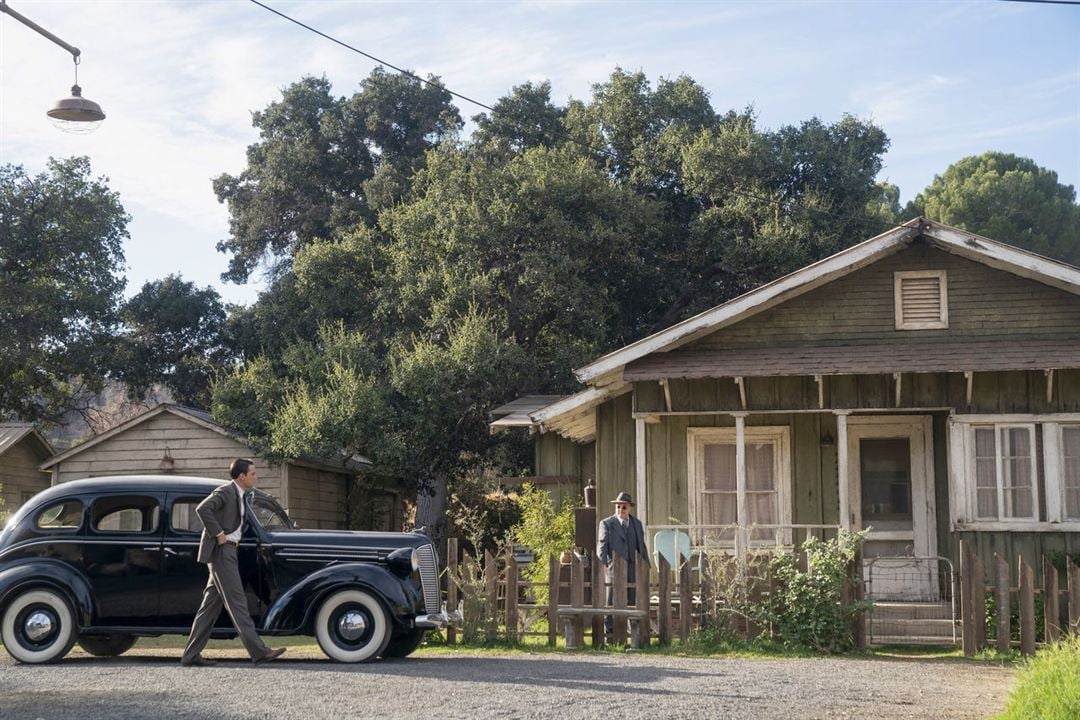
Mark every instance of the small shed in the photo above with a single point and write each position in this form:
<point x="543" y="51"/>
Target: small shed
<point x="22" y="449"/>
<point x="173" y="439"/>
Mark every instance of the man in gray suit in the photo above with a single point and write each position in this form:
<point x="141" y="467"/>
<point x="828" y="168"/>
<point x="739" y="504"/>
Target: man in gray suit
<point x="222" y="514"/>
<point x="621" y="534"/>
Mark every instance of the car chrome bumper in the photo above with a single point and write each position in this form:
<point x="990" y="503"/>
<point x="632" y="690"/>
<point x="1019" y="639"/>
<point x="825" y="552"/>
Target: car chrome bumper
<point x="440" y="619"/>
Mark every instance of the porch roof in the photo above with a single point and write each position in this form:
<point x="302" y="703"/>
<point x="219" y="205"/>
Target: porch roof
<point x="859" y="359"/>
<point x="516" y="413"/>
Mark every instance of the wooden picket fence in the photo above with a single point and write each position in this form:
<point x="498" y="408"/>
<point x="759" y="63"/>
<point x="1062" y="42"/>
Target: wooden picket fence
<point x="666" y="603"/>
<point x="1060" y="595"/>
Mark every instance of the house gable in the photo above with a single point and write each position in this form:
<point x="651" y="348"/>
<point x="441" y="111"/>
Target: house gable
<point x="984" y="304"/>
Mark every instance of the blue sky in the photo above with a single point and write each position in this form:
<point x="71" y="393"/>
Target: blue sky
<point x="178" y="81"/>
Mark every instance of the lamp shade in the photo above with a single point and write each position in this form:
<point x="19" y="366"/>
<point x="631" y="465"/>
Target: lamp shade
<point x="76" y="108"/>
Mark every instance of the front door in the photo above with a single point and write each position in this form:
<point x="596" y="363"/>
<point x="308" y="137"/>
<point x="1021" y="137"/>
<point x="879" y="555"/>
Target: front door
<point x="891" y="484"/>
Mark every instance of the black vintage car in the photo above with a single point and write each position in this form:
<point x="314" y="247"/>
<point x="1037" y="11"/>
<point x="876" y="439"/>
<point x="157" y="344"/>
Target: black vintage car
<point x="104" y="561"/>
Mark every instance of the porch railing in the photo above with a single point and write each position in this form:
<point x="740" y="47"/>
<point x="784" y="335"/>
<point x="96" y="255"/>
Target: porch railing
<point x="742" y="540"/>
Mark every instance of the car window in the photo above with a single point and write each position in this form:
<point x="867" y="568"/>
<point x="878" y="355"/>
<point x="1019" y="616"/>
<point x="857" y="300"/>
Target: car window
<point x="269" y="514"/>
<point x="65" y="515"/>
<point x="125" y="514"/>
<point x="183" y="517"/>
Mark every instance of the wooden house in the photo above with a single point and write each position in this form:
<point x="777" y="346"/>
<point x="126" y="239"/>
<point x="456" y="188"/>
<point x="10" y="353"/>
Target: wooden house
<point x="172" y="439"/>
<point x="923" y="385"/>
<point x="22" y="450"/>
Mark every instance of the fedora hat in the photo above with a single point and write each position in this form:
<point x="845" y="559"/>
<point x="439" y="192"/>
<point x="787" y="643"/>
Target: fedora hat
<point x="623" y="497"/>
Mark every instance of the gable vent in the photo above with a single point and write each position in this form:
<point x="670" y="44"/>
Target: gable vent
<point x="922" y="301"/>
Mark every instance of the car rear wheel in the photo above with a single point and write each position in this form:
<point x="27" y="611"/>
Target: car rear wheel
<point x="38" y="627"/>
<point x="405" y="645"/>
<point x="352" y="626"/>
<point x="106" y="645"/>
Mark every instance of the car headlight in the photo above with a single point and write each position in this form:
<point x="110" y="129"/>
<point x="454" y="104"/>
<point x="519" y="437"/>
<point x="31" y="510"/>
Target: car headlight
<point x="403" y="561"/>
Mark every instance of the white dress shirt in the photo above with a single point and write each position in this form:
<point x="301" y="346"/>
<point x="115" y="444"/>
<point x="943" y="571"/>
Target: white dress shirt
<point x="234" y="536"/>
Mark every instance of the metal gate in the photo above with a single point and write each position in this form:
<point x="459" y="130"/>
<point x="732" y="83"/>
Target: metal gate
<point x="914" y="600"/>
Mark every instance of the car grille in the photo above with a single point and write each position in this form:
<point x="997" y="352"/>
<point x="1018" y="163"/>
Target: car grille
<point x="429" y="577"/>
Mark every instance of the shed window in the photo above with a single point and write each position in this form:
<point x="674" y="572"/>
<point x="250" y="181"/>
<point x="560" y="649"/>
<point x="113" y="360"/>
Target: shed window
<point x="922" y="300"/>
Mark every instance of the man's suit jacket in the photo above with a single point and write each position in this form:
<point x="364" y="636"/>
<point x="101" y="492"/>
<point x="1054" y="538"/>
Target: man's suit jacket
<point x="219" y="512"/>
<point x="628" y="542"/>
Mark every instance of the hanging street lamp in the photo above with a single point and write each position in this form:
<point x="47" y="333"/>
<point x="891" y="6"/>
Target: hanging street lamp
<point x="72" y="114"/>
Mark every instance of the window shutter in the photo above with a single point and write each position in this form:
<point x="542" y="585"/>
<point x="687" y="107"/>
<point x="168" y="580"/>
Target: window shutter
<point x="921" y="301"/>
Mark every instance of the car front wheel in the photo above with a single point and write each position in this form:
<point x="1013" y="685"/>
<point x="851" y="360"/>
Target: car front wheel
<point x="405" y="645"/>
<point x="106" y="645"/>
<point x="38" y="627"/>
<point x="352" y="626"/>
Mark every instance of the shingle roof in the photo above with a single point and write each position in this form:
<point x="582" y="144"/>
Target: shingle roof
<point x="859" y="359"/>
<point x="12" y="433"/>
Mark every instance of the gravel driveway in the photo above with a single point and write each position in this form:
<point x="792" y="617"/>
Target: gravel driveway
<point x="151" y="684"/>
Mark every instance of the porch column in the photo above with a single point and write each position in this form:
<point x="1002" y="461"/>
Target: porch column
<point x="640" y="469"/>
<point x="842" y="468"/>
<point x="742" y="513"/>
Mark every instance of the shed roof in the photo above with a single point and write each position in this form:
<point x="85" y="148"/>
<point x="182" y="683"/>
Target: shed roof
<point x="204" y="419"/>
<point x="12" y="433"/>
<point x="516" y="413"/>
<point x="859" y="359"/>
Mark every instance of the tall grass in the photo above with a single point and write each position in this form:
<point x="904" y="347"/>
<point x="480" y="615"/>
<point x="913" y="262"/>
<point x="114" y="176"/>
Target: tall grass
<point x="1048" y="686"/>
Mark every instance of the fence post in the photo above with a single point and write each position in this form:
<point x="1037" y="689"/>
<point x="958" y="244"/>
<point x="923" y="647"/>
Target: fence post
<point x="1002" y="597"/>
<point x="451" y="585"/>
<point x="641" y="592"/>
<point x="1074" y="596"/>
<point x="597" y="575"/>
<point x="1051" y="608"/>
<point x="663" y="610"/>
<point x="1027" y="608"/>
<point x="619" y="583"/>
<point x="978" y="598"/>
<point x="967" y="606"/>
<point x="577" y="599"/>
<point x="686" y="600"/>
<point x="511" y="596"/>
<point x="491" y="587"/>
<point x="855" y="578"/>
<point x="553" y="600"/>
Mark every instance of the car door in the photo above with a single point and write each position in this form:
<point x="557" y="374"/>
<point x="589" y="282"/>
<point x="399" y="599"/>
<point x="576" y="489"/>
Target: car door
<point x="122" y="557"/>
<point x="183" y="577"/>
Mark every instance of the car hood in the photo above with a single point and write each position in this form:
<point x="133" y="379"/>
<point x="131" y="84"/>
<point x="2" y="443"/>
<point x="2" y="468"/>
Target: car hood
<point x="326" y="539"/>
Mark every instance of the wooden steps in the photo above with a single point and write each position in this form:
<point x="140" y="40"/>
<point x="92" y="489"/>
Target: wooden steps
<point x="911" y="623"/>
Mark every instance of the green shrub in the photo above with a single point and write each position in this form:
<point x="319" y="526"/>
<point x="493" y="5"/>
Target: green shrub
<point x="545" y="530"/>
<point x="1048" y="686"/>
<point x="805" y="608"/>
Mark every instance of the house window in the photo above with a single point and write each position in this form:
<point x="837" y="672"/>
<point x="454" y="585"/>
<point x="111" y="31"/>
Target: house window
<point x="1005" y="472"/>
<point x="1070" y="471"/>
<point x="714" y="495"/>
<point x="921" y="299"/>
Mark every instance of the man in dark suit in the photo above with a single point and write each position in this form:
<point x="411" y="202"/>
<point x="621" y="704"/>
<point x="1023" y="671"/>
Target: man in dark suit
<point x="222" y="514"/>
<point x="621" y="534"/>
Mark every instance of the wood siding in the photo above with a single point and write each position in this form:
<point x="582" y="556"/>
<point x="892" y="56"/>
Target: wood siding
<point x="317" y="498"/>
<point x="557" y="456"/>
<point x="614" y="452"/>
<point x="195" y="450"/>
<point x="19" y="474"/>
<point x="860" y="308"/>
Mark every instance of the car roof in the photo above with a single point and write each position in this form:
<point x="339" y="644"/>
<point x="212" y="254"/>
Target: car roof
<point x="132" y="483"/>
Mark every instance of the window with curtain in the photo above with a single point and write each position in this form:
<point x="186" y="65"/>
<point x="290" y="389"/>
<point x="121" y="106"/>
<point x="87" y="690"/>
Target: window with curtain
<point x="718" y="493"/>
<point x="1004" y="462"/>
<point x="1070" y="470"/>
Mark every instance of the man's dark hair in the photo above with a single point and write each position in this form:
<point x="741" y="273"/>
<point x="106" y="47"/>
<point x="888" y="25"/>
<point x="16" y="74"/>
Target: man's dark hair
<point x="239" y="467"/>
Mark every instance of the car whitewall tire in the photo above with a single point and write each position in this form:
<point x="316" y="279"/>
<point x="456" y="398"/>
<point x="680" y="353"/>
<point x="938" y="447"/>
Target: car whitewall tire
<point x="352" y="626"/>
<point x="38" y="627"/>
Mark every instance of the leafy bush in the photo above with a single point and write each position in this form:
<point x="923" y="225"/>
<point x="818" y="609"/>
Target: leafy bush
<point x="990" y="618"/>
<point x="545" y="530"/>
<point x="480" y="513"/>
<point x="1049" y="684"/>
<point x="805" y="608"/>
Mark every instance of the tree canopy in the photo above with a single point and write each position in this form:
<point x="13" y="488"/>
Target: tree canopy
<point x="61" y="262"/>
<point x="1008" y="198"/>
